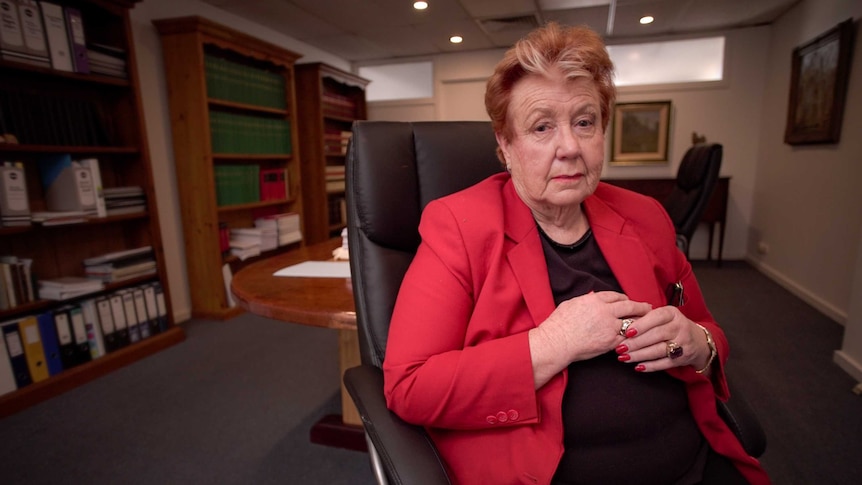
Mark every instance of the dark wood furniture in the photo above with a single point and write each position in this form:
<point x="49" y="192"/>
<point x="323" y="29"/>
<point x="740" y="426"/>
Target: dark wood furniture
<point x="319" y="302"/>
<point x="329" y="101"/>
<point x="716" y="210"/>
<point x="199" y="106"/>
<point x="109" y="111"/>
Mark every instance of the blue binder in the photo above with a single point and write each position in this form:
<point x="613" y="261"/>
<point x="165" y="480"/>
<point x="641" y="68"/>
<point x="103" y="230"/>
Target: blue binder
<point x="50" y="342"/>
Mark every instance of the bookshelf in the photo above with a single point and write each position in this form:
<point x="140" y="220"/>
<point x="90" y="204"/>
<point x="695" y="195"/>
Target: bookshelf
<point x="232" y="100"/>
<point x="331" y="101"/>
<point x="82" y="114"/>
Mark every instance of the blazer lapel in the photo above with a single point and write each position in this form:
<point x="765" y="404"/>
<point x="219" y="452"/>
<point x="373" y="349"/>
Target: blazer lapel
<point x="625" y="253"/>
<point x="526" y="257"/>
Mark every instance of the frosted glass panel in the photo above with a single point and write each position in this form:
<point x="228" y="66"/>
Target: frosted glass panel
<point x="399" y="81"/>
<point x="677" y="61"/>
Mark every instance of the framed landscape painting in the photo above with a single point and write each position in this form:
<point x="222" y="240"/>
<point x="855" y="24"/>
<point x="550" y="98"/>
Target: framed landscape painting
<point x="818" y="87"/>
<point x="640" y="133"/>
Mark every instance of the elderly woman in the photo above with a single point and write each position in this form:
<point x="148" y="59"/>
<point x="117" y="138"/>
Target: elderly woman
<point x="532" y="336"/>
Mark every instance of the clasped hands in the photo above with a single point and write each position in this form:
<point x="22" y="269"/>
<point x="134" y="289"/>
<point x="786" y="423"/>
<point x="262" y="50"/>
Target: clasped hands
<point x="589" y="325"/>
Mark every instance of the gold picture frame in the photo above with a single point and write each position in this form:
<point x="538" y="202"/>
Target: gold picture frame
<point x="818" y="87"/>
<point x="640" y="133"/>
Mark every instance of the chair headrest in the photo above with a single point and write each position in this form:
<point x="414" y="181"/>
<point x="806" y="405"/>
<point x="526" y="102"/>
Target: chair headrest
<point x="693" y="169"/>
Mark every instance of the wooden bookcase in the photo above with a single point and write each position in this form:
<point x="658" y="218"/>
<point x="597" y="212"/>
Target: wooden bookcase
<point x="195" y="51"/>
<point x="112" y="107"/>
<point x="331" y="100"/>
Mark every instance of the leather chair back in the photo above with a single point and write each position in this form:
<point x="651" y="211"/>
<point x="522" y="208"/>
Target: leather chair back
<point x="695" y="181"/>
<point x="394" y="169"/>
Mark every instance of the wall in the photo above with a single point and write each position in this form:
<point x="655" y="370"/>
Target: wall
<point x="727" y="112"/>
<point x="157" y="119"/>
<point x="807" y="202"/>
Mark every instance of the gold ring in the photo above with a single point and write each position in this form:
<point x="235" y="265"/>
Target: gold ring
<point x="674" y="350"/>
<point x="625" y="326"/>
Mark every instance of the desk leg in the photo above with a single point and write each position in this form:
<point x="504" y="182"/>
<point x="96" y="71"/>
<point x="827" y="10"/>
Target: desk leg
<point x="343" y="431"/>
<point x="709" y="248"/>
<point x="348" y="356"/>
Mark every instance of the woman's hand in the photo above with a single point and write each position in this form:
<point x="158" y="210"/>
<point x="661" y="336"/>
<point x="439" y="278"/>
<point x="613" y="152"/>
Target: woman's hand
<point x="579" y="329"/>
<point x="650" y="348"/>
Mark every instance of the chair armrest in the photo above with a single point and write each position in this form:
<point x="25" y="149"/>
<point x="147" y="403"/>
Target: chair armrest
<point x="406" y="451"/>
<point x="742" y="420"/>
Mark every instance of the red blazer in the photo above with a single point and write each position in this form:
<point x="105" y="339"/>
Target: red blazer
<point x="458" y="359"/>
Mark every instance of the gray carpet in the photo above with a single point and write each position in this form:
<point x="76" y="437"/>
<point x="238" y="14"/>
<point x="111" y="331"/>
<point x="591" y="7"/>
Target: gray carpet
<point x="234" y="403"/>
<point x="781" y="358"/>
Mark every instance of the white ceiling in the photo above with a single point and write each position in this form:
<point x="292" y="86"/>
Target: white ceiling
<point x="367" y="30"/>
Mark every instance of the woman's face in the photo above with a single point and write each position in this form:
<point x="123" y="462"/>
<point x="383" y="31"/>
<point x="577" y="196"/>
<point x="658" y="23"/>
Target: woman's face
<point x="556" y="150"/>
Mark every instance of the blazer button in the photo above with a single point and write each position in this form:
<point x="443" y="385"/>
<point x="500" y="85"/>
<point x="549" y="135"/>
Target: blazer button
<point x="513" y="415"/>
<point x="491" y="419"/>
<point x="502" y="417"/>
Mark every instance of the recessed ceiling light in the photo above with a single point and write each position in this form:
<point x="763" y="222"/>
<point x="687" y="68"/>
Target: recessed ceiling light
<point x="420" y="5"/>
<point x="456" y="39"/>
<point x="647" y="19"/>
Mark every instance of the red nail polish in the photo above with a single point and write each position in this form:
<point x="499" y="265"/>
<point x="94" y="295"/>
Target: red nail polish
<point x="640" y="368"/>
<point x="631" y="332"/>
<point x="624" y="357"/>
<point x="622" y="348"/>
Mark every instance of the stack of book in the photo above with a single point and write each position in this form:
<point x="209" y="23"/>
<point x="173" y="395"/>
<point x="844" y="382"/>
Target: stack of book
<point x="335" y="142"/>
<point x="46" y="119"/>
<point x="286" y="227"/>
<point x="124" y="200"/>
<point x="237" y="184"/>
<point x="16" y="282"/>
<point x="58" y="218"/>
<point x="22" y="33"/>
<point x="245" y="242"/>
<point x="67" y="287"/>
<point x="231" y="81"/>
<point x="14" y="203"/>
<point x="239" y="133"/>
<point x="107" y="60"/>
<point x="338" y="105"/>
<point x="121" y="265"/>
<point x="334" y="178"/>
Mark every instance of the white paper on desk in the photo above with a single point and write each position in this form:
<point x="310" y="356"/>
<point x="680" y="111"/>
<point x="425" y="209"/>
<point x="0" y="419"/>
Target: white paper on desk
<point x="317" y="269"/>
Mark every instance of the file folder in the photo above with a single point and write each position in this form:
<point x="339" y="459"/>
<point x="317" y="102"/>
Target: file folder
<point x="106" y="322"/>
<point x="79" y="332"/>
<point x="15" y="351"/>
<point x="29" y="329"/>
<point x="50" y="343"/>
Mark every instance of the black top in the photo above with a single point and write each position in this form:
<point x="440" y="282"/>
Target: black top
<point x="620" y="426"/>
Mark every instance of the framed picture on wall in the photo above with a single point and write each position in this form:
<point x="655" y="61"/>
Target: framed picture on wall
<point x="818" y="87"/>
<point x="640" y="133"/>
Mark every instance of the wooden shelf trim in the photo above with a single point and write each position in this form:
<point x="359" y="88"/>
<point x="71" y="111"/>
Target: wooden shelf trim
<point x="89" y="221"/>
<point x="227" y="38"/>
<point x="252" y="108"/>
<point x="255" y="205"/>
<point x="91" y="78"/>
<point x="239" y="157"/>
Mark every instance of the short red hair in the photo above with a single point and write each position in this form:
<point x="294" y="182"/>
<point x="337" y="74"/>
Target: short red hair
<point x="578" y="52"/>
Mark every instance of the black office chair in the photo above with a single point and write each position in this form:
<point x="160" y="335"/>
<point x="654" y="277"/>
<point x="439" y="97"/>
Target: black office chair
<point x="393" y="170"/>
<point x="695" y="181"/>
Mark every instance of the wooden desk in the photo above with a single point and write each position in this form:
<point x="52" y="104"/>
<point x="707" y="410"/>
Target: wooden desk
<point x="716" y="209"/>
<point x="319" y="302"/>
